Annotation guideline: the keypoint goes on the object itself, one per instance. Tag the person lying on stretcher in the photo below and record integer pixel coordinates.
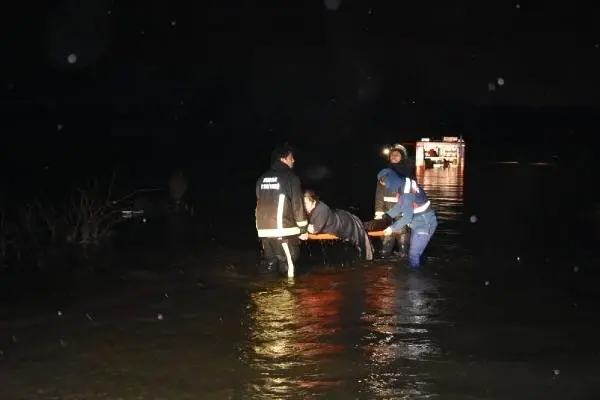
(341, 223)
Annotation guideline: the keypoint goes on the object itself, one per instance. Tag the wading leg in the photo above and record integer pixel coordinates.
(288, 252)
(270, 260)
(419, 239)
(403, 240)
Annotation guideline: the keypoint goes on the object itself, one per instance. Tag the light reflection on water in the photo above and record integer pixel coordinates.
(445, 188)
(326, 334)
(291, 334)
(446, 191)
(397, 337)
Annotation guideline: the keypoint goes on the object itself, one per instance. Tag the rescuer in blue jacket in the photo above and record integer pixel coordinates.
(416, 210)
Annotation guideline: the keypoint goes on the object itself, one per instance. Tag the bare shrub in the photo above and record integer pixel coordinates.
(93, 213)
(40, 229)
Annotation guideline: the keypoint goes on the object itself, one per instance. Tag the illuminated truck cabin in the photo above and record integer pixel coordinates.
(447, 153)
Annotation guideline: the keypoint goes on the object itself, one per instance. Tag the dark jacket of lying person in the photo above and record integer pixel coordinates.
(341, 223)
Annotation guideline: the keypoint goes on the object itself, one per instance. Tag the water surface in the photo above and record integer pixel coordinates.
(495, 313)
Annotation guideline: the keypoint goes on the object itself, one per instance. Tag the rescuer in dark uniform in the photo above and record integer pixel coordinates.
(280, 215)
(385, 200)
(415, 208)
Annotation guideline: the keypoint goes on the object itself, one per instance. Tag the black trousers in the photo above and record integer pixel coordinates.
(279, 254)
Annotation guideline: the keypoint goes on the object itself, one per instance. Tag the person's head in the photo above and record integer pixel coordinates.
(395, 156)
(390, 179)
(284, 154)
(310, 200)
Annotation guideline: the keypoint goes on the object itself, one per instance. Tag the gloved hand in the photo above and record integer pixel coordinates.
(378, 216)
(379, 224)
(303, 229)
(388, 231)
(303, 236)
(311, 228)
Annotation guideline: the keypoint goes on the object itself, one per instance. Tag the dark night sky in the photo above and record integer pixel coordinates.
(290, 67)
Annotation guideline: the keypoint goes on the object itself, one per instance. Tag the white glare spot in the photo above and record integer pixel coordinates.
(173, 23)
(518, 5)
(500, 81)
(72, 58)
(473, 219)
(144, 220)
(557, 372)
(487, 283)
(576, 268)
(159, 317)
(518, 258)
(59, 313)
(59, 127)
(332, 5)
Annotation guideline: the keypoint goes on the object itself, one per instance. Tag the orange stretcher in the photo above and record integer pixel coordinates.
(328, 236)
